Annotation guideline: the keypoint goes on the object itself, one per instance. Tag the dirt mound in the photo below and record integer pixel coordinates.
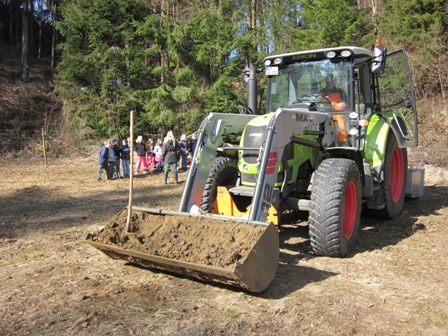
(198, 240)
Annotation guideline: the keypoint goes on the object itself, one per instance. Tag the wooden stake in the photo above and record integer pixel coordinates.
(131, 170)
(43, 147)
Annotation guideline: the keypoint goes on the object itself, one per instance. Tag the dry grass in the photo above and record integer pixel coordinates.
(53, 283)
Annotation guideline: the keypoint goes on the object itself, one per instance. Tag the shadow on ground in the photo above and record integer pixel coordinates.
(39, 208)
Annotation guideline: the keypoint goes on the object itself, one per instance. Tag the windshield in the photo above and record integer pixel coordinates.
(323, 82)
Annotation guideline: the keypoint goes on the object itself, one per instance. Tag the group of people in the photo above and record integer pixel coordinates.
(109, 160)
(159, 156)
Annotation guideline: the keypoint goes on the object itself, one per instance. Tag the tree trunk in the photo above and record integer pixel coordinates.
(17, 30)
(31, 27)
(39, 51)
(163, 12)
(53, 37)
(11, 20)
(25, 42)
(375, 20)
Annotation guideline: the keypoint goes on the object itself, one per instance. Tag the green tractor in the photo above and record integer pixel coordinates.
(331, 142)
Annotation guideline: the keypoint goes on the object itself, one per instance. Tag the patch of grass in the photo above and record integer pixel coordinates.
(230, 314)
(440, 320)
(28, 254)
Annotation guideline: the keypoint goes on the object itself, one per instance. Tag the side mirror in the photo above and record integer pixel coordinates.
(379, 59)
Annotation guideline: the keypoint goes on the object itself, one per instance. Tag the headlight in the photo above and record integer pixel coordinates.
(331, 54)
(267, 62)
(353, 115)
(277, 61)
(346, 53)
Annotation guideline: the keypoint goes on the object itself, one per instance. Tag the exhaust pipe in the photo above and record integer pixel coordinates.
(252, 88)
(250, 79)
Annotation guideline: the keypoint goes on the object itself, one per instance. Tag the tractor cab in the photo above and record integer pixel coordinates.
(323, 77)
(344, 80)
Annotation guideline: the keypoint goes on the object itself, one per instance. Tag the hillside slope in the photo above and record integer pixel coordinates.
(26, 108)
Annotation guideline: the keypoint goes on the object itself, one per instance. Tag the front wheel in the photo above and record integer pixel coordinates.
(335, 208)
(224, 172)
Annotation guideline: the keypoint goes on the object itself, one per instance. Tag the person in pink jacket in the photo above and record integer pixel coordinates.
(140, 148)
(150, 155)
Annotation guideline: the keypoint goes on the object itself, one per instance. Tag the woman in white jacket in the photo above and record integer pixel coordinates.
(159, 155)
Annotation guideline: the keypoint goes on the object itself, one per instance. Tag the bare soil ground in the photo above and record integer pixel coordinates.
(54, 283)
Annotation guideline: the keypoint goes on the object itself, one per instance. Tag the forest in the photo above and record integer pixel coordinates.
(173, 62)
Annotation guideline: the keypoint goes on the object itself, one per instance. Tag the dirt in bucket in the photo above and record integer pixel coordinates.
(198, 240)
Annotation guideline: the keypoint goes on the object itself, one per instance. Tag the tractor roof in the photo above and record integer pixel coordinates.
(317, 54)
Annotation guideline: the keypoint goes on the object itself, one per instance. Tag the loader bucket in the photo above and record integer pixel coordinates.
(207, 247)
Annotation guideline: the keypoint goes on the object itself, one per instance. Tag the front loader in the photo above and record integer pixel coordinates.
(309, 151)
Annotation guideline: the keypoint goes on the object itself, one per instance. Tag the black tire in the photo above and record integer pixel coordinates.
(389, 202)
(224, 172)
(335, 208)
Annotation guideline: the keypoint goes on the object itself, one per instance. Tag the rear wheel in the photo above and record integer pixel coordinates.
(389, 203)
(335, 207)
(224, 172)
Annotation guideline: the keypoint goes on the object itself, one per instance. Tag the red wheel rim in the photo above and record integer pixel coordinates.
(396, 177)
(350, 209)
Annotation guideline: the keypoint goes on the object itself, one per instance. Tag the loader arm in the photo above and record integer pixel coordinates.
(211, 133)
(285, 123)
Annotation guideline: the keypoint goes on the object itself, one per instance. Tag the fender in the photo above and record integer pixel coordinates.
(376, 139)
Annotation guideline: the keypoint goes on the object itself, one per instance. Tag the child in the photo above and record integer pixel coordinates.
(111, 162)
(117, 151)
(151, 156)
(159, 155)
(184, 150)
(125, 157)
(170, 156)
(102, 160)
(141, 153)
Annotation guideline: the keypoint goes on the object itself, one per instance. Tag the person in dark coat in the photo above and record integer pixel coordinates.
(193, 143)
(184, 151)
(102, 160)
(125, 158)
(117, 151)
(111, 162)
(170, 151)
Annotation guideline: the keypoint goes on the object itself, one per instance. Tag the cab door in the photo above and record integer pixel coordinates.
(396, 96)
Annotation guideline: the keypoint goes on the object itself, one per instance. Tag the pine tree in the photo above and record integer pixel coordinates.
(420, 27)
